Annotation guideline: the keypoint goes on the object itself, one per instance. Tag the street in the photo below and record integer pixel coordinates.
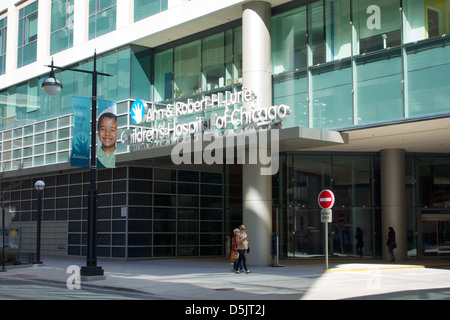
(34, 289)
(212, 279)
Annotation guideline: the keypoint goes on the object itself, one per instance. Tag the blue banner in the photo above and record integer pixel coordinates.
(81, 140)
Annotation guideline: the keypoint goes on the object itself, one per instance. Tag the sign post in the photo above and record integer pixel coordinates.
(326, 202)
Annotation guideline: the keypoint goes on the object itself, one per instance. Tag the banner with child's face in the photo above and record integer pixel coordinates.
(106, 133)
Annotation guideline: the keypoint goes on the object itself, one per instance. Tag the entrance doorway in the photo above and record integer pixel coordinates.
(435, 232)
(351, 233)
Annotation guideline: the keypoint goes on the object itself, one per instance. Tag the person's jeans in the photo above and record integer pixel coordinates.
(242, 259)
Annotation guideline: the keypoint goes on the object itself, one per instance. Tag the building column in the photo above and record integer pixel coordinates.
(11, 39)
(125, 13)
(393, 200)
(257, 76)
(43, 31)
(80, 22)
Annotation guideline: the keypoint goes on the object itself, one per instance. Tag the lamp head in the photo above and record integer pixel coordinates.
(51, 85)
(39, 185)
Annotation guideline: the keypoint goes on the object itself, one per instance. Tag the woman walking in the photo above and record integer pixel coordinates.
(242, 242)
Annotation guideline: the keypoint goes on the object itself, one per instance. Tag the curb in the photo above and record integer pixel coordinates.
(373, 268)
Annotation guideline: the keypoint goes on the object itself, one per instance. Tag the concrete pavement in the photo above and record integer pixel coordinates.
(212, 278)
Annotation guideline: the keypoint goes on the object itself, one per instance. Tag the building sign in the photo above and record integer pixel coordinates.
(200, 131)
(212, 113)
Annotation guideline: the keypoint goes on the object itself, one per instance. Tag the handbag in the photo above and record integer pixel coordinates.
(234, 255)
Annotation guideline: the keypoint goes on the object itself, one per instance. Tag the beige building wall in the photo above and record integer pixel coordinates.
(53, 237)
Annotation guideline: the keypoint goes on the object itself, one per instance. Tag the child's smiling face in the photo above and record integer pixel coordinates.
(107, 133)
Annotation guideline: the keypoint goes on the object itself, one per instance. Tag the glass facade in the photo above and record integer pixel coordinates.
(27, 103)
(323, 66)
(330, 60)
(147, 8)
(28, 27)
(29, 116)
(61, 32)
(343, 64)
(355, 181)
(102, 17)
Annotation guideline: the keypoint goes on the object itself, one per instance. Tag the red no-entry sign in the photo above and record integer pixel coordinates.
(326, 202)
(326, 199)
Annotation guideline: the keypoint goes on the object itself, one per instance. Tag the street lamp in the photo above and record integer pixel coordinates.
(52, 86)
(39, 186)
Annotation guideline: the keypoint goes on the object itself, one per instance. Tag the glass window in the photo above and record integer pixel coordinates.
(434, 174)
(352, 181)
(140, 86)
(425, 19)
(123, 74)
(163, 75)
(289, 41)
(229, 57)
(237, 54)
(310, 174)
(147, 8)
(377, 26)
(379, 87)
(316, 32)
(291, 90)
(213, 58)
(337, 29)
(3, 24)
(427, 82)
(102, 17)
(210, 63)
(331, 102)
(27, 44)
(61, 33)
(187, 69)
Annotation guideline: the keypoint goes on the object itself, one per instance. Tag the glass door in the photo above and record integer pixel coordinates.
(436, 237)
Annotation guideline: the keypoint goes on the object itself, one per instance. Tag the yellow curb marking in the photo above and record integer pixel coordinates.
(374, 268)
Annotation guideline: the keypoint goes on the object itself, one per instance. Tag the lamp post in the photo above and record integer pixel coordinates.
(39, 186)
(52, 87)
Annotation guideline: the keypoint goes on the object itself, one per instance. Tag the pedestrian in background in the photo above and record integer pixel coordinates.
(391, 243)
(359, 241)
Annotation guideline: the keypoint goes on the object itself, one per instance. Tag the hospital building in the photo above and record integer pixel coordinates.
(229, 112)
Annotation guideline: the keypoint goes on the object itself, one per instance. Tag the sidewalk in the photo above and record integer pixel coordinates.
(212, 278)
